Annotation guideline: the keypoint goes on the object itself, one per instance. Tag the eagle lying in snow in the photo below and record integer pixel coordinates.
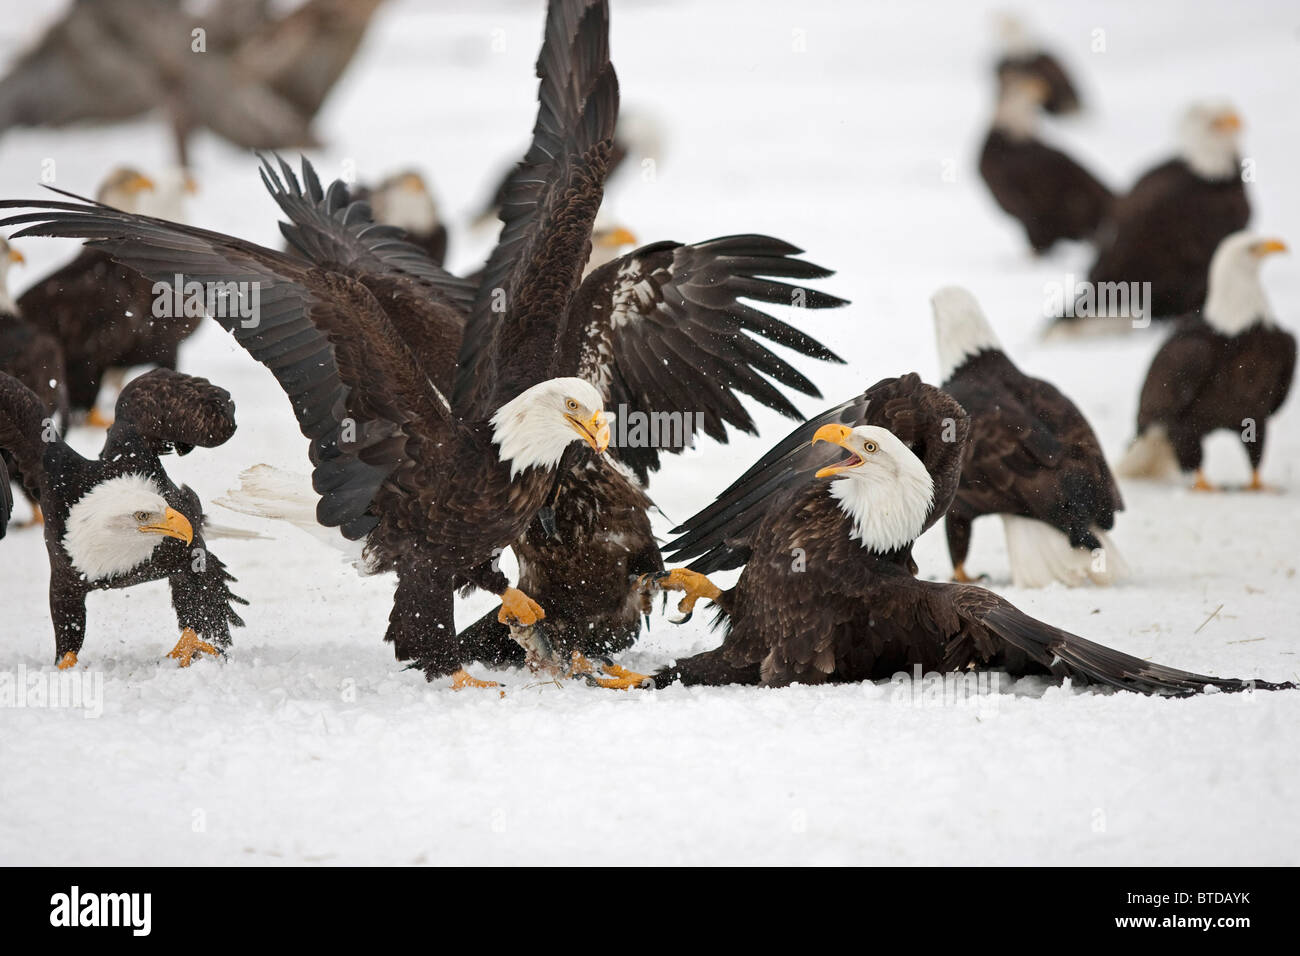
(118, 520)
(1229, 367)
(1034, 460)
(829, 591)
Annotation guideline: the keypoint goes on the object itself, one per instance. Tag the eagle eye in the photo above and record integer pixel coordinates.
(869, 446)
(142, 516)
(571, 404)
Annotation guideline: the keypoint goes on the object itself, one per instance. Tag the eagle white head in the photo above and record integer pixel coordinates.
(8, 257)
(115, 526)
(1236, 298)
(404, 200)
(535, 427)
(124, 189)
(960, 329)
(1208, 139)
(882, 486)
(1021, 96)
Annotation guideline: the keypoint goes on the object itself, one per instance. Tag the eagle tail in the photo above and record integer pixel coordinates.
(1040, 554)
(1151, 455)
(269, 492)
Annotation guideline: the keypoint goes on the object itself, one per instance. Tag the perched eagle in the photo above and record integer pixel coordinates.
(432, 490)
(1021, 54)
(118, 520)
(1033, 459)
(829, 592)
(1047, 192)
(1166, 229)
(102, 312)
(32, 357)
(1228, 367)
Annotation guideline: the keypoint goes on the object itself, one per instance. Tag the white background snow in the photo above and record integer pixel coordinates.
(830, 125)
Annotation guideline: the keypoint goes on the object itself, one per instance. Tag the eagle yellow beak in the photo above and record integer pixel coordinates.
(190, 185)
(836, 435)
(614, 238)
(1227, 121)
(1269, 246)
(173, 525)
(414, 182)
(16, 256)
(138, 184)
(594, 431)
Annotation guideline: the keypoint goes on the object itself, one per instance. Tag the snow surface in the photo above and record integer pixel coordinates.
(850, 129)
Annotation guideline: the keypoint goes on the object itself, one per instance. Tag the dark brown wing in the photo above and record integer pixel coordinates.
(23, 420)
(925, 418)
(663, 330)
(172, 411)
(356, 390)
(550, 204)
(1180, 371)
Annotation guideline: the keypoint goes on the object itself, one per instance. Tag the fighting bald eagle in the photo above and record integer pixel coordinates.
(118, 520)
(32, 357)
(1048, 193)
(1033, 459)
(102, 312)
(1228, 367)
(1166, 229)
(829, 592)
(434, 491)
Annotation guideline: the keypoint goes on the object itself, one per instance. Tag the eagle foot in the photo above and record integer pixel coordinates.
(960, 576)
(518, 609)
(693, 584)
(1257, 485)
(620, 678)
(36, 520)
(189, 646)
(462, 679)
(67, 661)
(1201, 484)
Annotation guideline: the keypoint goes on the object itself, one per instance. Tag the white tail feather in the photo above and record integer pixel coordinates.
(214, 532)
(1149, 456)
(269, 492)
(1040, 554)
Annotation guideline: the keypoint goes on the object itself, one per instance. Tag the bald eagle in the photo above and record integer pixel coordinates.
(1033, 459)
(102, 312)
(1023, 54)
(1050, 194)
(1228, 367)
(829, 592)
(118, 520)
(1165, 230)
(431, 487)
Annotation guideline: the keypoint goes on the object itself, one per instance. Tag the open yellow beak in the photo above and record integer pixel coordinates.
(173, 525)
(616, 237)
(1269, 246)
(1227, 121)
(836, 435)
(594, 431)
(16, 256)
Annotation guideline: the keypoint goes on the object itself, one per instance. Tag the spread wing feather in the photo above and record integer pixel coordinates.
(172, 411)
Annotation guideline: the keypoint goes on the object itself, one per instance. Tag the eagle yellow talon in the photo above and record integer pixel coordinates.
(67, 661)
(693, 584)
(960, 576)
(189, 646)
(1257, 485)
(519, 609)
(462, 679)
(620, 678)
(1201, 484)
(36, 520)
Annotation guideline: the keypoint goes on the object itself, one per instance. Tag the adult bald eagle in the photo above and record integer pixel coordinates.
(32, 357)
(828, 593)
(1166, 229)
(1051, 195)
(1229, 367)
(1033, 459)
(1021, 54)
(102, 312)
(434, 491)
(118, 520)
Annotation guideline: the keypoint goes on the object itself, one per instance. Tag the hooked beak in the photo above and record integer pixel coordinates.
(16, 256)
(140, 184)
(414, 182)
(616, 237)
(1226, 122)
(173, 525)
(836, 435)
(594, 431)
(1269, 246)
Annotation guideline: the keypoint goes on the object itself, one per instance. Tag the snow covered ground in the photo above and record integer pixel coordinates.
(851, 130)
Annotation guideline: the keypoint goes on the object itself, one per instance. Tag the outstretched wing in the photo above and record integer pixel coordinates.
(550, 204)
(981, 627)
(22, 422)
(172, 411)
(357, 392)
(926, 419)
(663, 330)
